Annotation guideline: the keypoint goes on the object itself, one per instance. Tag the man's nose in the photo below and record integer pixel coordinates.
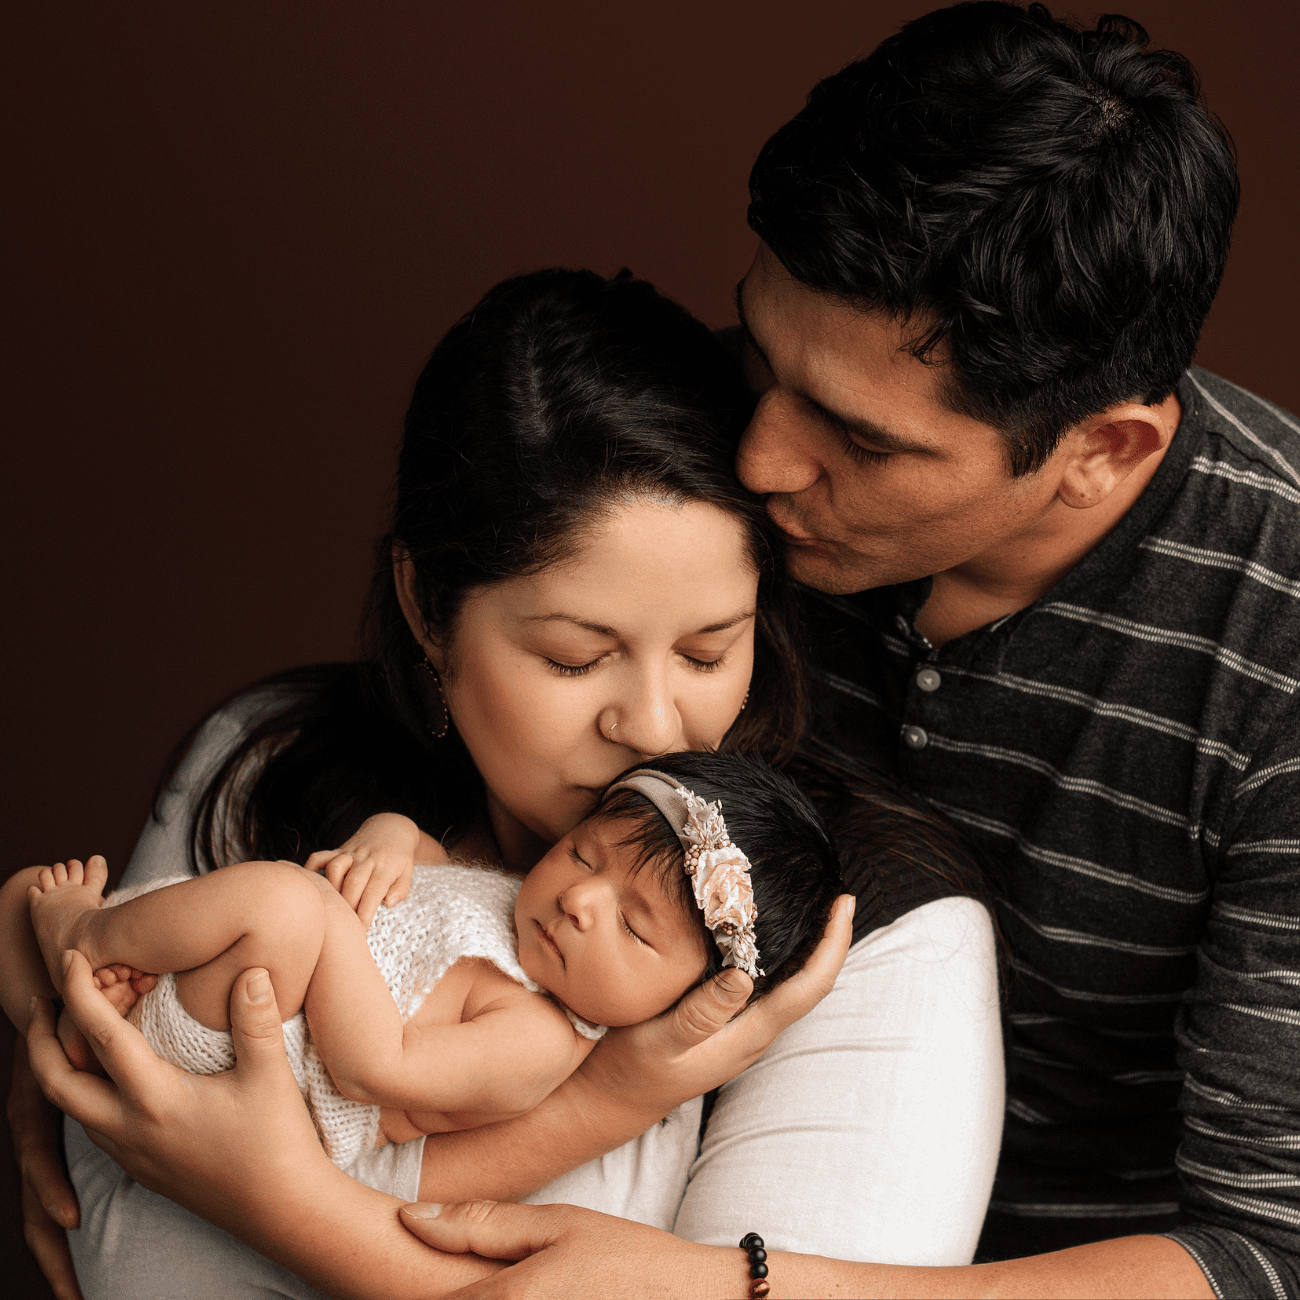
(776, 452)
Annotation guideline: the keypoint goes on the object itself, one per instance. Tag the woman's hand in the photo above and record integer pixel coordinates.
(572, 1252)
(207, 1142)
(49, 1203)
(697, 1046)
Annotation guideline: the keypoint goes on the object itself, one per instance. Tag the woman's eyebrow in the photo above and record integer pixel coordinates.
(598, 628)
(601, 630)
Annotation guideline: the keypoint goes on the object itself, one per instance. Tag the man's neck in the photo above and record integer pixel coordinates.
(1026, 567)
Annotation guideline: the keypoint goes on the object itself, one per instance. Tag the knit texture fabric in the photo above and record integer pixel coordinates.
(451, 912)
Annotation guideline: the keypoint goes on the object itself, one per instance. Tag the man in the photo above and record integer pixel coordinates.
(1061, 577)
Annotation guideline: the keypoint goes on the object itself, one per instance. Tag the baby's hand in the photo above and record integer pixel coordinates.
(374, 866)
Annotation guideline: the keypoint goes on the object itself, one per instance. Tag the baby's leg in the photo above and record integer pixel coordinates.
(207, 930)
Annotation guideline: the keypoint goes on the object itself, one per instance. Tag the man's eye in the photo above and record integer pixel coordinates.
(863, 455)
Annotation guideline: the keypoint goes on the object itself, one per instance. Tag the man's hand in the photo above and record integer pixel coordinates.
(374, 866)
(572, 1252)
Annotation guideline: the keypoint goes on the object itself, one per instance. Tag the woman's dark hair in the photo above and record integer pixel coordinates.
(1053, 204)
(558, 397)
(794, 869)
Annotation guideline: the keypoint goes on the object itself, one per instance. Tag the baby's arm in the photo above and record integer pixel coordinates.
(375, 865)
(481, 1044)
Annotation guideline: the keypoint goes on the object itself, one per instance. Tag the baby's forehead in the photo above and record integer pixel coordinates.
(654, 874)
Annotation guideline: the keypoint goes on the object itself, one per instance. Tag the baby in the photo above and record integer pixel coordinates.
(472, 995)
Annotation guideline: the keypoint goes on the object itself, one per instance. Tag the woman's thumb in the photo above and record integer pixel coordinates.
(255, 1019)
(705, 1010)
(493, 1229)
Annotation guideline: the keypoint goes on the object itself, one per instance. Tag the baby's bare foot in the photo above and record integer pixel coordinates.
(60, 904)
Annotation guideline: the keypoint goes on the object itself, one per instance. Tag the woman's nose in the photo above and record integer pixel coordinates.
(775, 453)
(648, 720)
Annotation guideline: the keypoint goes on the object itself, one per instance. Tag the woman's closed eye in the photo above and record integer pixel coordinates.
(704, 665)
(572, 670)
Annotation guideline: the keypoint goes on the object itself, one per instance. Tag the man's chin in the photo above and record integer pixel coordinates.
(826, 571)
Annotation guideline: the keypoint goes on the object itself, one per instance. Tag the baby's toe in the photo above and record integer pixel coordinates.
(97, 872)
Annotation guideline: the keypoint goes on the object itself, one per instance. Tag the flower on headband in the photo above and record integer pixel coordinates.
(719, 873)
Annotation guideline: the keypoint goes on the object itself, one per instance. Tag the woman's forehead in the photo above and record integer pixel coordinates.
(649, 566)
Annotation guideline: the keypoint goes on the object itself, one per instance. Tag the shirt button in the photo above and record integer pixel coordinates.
(928, 679)
(915, 737)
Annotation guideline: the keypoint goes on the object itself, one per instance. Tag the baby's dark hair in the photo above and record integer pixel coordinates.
(793, 865)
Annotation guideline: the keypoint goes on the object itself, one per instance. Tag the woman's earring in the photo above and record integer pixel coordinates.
(441, 731)
(744, 702)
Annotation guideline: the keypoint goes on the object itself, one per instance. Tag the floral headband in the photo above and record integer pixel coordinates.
(719, 871)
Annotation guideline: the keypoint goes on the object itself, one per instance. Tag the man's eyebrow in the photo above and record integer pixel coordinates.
(601, 630)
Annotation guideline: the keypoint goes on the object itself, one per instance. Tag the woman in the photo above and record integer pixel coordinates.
(574, 581)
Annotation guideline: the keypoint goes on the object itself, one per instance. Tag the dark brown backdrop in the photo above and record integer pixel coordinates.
(240, 230)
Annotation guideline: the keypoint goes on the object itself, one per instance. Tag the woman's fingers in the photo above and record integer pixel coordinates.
(88, 1099)
(255, 1026)
(799, 994)
(48, 1242)
(493, 1229)
(49, 1205)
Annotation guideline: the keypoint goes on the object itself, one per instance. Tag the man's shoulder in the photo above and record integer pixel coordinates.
(1257, 434)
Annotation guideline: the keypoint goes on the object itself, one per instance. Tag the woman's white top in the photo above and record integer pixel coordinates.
(869, 1130)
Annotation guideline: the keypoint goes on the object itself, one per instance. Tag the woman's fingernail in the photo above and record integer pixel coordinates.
(67, 959)
(730, 982)
(422, 1210)
(853, 906)
(259, 987)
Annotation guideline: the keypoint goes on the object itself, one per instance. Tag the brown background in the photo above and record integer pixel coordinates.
(241, 228)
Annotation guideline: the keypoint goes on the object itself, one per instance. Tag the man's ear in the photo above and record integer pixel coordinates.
(1106, 448)
(404, 580)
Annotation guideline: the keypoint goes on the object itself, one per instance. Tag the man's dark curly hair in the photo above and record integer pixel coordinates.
(1048, 208)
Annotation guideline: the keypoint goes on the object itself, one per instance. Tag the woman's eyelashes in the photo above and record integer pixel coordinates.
(572, 670)
(581, 670)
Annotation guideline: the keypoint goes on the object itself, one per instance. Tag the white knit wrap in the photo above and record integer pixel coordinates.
(451, 912)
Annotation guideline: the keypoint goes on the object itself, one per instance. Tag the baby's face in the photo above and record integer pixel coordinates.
(614, 947)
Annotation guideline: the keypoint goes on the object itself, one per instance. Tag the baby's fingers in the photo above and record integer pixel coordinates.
(337, 868)
(353, 884)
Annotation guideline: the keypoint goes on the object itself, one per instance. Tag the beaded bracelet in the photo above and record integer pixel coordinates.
(759, 1286)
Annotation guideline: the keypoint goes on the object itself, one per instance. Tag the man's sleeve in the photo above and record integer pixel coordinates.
(1239, 1040)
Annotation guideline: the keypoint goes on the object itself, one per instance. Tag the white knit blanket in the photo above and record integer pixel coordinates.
(451, 912)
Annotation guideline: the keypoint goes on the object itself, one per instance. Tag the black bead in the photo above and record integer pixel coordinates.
(757, 1254)
(758, 1270)
(750, 1239)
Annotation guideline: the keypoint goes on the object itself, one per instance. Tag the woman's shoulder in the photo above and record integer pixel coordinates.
(217, 735)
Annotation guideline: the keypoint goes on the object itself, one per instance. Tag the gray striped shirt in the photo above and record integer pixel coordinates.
(1124, 756)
